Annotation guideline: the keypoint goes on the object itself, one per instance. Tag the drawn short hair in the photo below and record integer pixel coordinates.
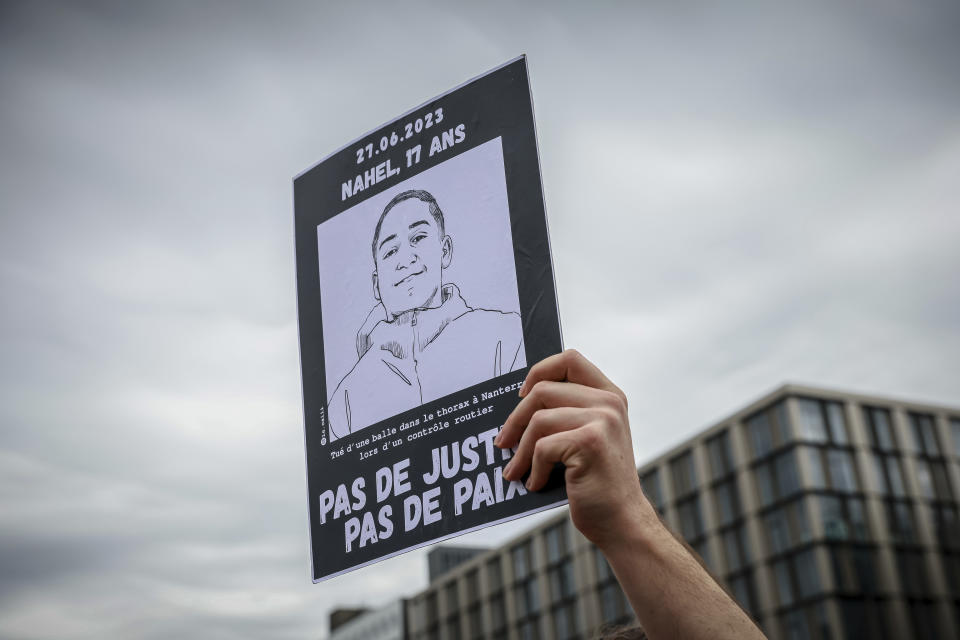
(419, 194)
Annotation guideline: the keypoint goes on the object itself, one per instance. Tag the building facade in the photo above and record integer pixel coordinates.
(827, 515)
(385, 623)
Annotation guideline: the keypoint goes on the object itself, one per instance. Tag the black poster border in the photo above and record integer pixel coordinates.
(495, 104)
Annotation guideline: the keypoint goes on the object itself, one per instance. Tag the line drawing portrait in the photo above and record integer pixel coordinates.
(424, 333)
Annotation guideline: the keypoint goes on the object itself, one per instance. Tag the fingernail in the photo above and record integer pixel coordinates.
(496, 441)
(529, 484)
(506, 470)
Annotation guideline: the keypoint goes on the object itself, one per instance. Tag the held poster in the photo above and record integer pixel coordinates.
(425, 290)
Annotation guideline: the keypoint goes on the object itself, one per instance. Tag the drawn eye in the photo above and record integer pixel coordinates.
(417, 238)
(390, 252)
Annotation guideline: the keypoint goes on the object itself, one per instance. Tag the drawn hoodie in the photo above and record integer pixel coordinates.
(423, 355)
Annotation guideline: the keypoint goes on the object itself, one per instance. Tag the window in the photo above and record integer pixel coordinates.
(946, 524)
(833, 468)
(777, 478)
(822, 422)
(888, 475)
(526, 597)
(742, 589)
(880, 429)
(808, 579)
(911, 564)
(691, 524)
(864, 618)
(900, 523)
(768, 429)
(812, 425)
(651, 488)
(494, 575)
(528, 630)
(498, 613)
(736, 548)
(797, 577)
(844, 518)
(684, 475)
(721, 456)
(565, 623)
(450, 591)
(842, 476)
(854, 569)
(556, 537)
(924, 434)
(473, 585)
(562, 582)
(727, 501)
(522, 557)
(933, 480)
(781, 570)
(955, 432)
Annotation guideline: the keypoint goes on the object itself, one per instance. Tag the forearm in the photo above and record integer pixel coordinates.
(672, 595)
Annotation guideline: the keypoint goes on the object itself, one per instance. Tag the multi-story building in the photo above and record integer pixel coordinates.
(384, 623)
(826, 514)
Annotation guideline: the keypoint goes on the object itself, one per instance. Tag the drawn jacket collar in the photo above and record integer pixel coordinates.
(425, 324)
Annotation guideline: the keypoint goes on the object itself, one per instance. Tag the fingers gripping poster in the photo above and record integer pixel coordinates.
(425, 291)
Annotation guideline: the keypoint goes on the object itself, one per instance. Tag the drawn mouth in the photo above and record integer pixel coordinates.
(409, 277)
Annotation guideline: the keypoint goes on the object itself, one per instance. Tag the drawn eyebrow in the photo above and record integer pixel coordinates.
(418, 223)
(386, 240)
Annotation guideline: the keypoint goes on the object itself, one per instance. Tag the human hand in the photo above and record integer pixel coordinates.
(572, 413)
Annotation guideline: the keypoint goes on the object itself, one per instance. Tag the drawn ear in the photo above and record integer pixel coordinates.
(376, 286)
(447, 248)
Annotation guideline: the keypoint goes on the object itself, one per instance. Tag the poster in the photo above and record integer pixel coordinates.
(425, 290)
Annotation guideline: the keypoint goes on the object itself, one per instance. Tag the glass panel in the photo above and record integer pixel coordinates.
(778, 530)
(879, 475)
(691, 525)
(787, 477)
(721, 458)
(784, 586)
(740, 586)
(799, 524)
(895, 476)
(556, 537)
(925, 434)
(727, 503)
(900, 521)
(795, 626)
(684, 476)
(731, 548)
(811, 421)
(494, 574)
(838, 424)
(858, 519)
(941, 483)
(817, 478)
(761, 436)
(841, 470)
(955, 431)
(882, 431)
(805, 568)
(764, 484)
(831, 512)
(521, 566)
(924, 479)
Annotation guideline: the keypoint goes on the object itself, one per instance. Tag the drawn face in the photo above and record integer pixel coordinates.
(410, 258)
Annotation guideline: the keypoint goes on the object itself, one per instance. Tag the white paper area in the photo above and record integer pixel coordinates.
(471, 191)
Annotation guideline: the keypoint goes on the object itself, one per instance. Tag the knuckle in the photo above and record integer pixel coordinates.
(591, 438)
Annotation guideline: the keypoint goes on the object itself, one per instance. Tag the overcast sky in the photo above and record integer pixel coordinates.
(738, 196)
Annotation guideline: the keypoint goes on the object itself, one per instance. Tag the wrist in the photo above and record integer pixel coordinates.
(638, 529)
